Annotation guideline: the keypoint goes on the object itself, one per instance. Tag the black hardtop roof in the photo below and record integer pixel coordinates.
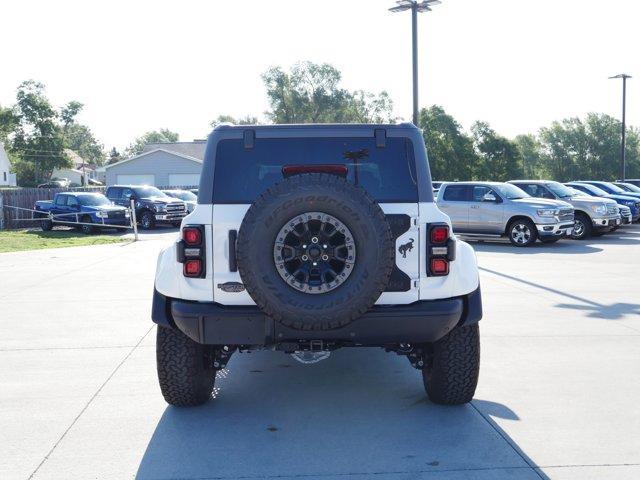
(319, 126)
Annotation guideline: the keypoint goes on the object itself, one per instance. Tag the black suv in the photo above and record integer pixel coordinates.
(152, 206)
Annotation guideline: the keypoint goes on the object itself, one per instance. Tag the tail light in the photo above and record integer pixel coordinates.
(441, 250)
(191, 251)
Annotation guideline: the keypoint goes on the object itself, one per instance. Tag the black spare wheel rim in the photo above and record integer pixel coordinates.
(315, 252)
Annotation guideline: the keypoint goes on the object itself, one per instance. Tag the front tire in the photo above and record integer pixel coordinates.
(86, 229)
(582, 227)
(451, 370)
(185, 369)
(148, 221)
(522, 233)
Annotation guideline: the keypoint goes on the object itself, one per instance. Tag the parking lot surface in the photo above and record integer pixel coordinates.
(558, 395)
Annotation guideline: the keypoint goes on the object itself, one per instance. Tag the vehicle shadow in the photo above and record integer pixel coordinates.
(360, 414)
(563, 247)
(614, 311)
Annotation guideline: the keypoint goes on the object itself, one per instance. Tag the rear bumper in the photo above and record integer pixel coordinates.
(419, 322)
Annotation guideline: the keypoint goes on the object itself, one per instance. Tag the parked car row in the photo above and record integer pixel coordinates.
(525, 211)
(86, 209)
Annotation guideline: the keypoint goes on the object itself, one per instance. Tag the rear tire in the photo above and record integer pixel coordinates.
(46, 225)
(522, 232)
(185, 369)
(582, 227)
(451, 372)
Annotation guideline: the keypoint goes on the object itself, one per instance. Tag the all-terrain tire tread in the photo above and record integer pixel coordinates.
(451, 375)
(184, 378)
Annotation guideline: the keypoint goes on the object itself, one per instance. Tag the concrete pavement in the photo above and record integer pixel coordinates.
(558, 393)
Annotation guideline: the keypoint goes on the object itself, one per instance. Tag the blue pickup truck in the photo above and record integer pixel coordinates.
(81, 209)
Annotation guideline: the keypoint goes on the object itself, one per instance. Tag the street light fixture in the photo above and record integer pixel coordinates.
(415, 7)
(623, 147)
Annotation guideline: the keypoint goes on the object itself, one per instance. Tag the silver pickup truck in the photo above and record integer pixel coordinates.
(493, 209)
(593, 216)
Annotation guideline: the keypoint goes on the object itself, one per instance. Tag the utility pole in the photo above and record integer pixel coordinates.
(415, 7)
(623, 143)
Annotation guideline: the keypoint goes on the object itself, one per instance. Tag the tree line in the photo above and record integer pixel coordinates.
(37, 136)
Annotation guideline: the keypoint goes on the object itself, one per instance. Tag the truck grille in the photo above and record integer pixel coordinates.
(176, 208)
(116, 214)
(566, 215)
(624, 210)
(612, 209)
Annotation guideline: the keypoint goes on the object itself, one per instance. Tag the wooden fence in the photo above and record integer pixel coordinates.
(26, 198)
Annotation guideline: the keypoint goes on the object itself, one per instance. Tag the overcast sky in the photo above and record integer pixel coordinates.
(142, 65)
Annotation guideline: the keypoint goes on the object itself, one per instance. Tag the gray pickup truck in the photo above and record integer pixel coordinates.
(494, 209)
(593, 216)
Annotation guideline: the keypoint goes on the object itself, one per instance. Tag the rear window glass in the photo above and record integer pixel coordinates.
(456, 193)
(388, 174)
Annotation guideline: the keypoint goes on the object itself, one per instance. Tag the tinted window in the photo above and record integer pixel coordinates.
(535, 190)
(61, 199)
(72, 201)
(95, 200)
(145, 192)
(506, 190)
(114, 193)
(388, 174)
(126, 193)
(456, 193)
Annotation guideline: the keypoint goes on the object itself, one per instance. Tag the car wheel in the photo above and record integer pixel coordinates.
(86, 229)
(148, 221)
(46, 225)
(582, 227)
(315, 252)
(452, 367)
(522, 233)
(185, 368)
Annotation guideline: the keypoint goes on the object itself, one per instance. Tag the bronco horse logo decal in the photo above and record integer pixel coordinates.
(407, 247)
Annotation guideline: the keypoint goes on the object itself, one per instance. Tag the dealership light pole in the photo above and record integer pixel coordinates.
(623, 147)
(415, 7)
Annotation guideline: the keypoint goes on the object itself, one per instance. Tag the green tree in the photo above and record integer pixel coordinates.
(310, 93)
(80, 139)
(499, 158)
(450, 150)
(38, 141)
(8, 123)
(530, 150)
(114, 156)
(154, 136)
(247, 120)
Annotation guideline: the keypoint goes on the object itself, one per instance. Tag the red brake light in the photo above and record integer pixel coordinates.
(191, 236)
(439, 234)
(289, 170)
(193, 268)
(439, 266)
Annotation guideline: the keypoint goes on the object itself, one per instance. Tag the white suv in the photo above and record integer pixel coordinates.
(311, 238)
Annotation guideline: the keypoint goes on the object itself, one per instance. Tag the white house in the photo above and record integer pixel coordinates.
(77, 172)
(174, 164)
(7, 178)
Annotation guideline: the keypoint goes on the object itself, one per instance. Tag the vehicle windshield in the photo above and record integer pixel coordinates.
(561, 190)
(183, 195)
(593, 190)
(95, 200)
(144, 192)
(614, 188)
(630, 187)
(510, 192)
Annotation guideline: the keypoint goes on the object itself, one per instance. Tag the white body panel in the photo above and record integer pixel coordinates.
(462, 279)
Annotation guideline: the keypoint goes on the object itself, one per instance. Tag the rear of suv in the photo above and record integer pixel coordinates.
(494, 209)
(311, 238)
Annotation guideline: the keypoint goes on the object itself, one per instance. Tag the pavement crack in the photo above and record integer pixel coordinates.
(84, 409)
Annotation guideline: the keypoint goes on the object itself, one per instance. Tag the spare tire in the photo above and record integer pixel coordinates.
(315, 252)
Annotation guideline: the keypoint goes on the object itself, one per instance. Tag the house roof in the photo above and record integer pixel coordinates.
(193, 149)
(144, 154)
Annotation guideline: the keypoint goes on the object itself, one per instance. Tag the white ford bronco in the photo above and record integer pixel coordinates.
(309, 238)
